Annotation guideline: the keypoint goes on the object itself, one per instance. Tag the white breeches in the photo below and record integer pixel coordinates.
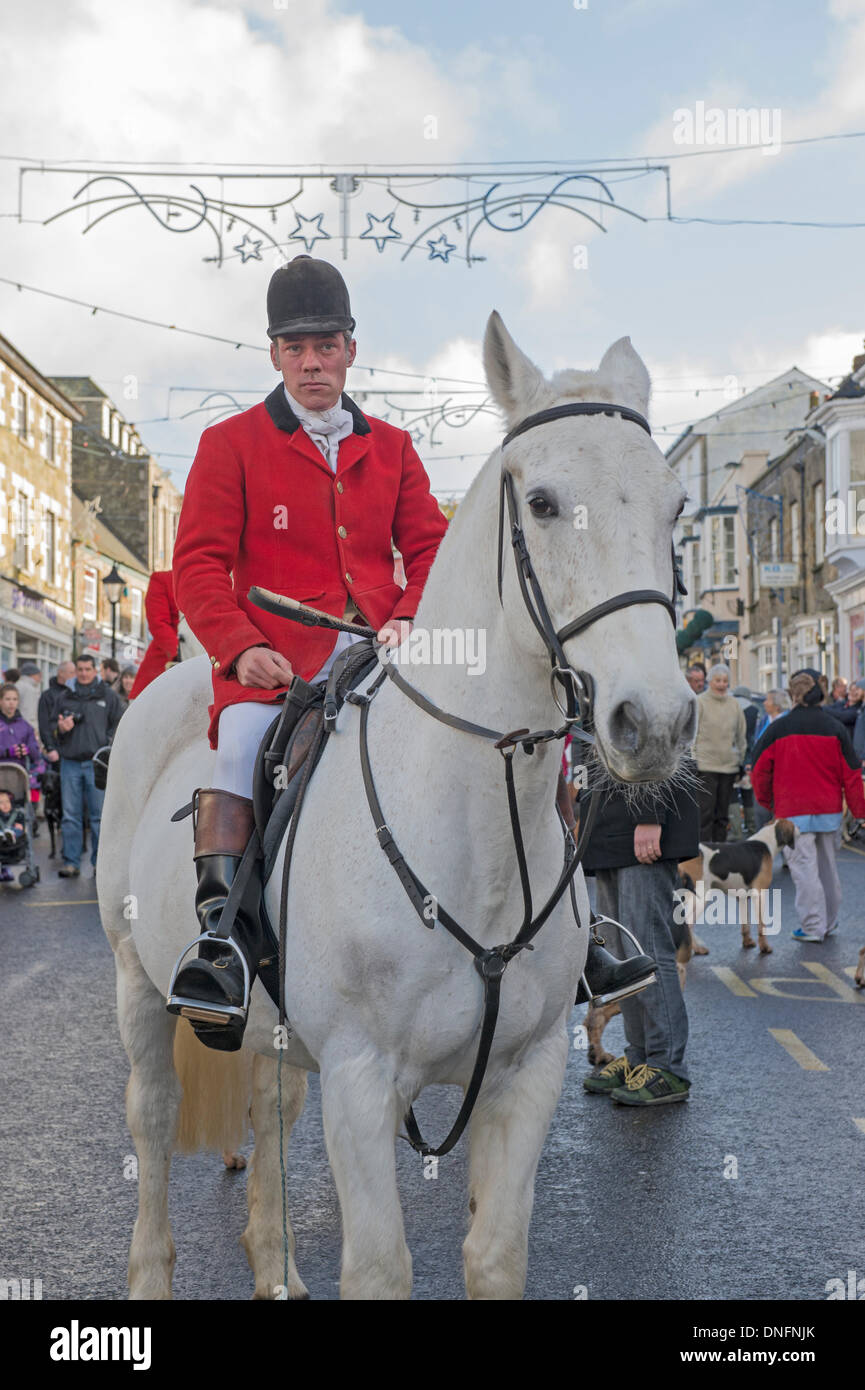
(243, 726)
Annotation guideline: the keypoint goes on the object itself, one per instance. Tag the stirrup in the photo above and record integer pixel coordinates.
(614, 995)
(199, 1011)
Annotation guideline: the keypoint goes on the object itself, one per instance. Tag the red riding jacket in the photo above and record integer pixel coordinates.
(262, 506)
(162, 619)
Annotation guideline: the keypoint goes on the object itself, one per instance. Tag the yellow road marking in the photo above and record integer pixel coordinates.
(843, 991)
(732, 981)
(797, 1050)
(860, 1124)
(63, 902)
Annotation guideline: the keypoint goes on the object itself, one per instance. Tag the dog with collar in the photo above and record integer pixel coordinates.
(741, 865)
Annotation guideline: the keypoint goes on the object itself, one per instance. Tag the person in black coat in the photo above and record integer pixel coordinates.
(634, 851)
(86, 720)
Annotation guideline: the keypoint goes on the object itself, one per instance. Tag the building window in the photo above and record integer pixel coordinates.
(135, 627)
(91, 591)
(50, 548)
(723, 551)
(106, 419)
(795, 533)
(773, 539)
(21, 413)
(833, 464)
(115, 430)
(857, 466)
(819, 523)
(22, 531)
(50, 438)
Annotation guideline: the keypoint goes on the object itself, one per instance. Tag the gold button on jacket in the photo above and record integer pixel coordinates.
(341, 531)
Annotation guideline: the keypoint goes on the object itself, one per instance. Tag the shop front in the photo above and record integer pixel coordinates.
(33, 628)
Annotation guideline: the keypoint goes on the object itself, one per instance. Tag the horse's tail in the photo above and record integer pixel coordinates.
(217, 1090)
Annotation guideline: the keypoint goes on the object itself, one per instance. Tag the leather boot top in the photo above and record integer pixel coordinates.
(223, 823)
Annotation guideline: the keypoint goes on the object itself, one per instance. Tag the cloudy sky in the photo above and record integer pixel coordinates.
(713, 306)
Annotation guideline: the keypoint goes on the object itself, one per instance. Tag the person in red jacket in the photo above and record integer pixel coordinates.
(303, 495)
(804, 765)
(163, 616)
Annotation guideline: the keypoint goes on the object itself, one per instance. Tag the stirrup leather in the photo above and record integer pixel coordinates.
(208, 1012)
(614, 995)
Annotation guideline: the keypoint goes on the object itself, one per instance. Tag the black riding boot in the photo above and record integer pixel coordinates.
(210, 991)
(610, 979)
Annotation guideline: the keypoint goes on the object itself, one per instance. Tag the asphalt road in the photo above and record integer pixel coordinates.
(752, 1189)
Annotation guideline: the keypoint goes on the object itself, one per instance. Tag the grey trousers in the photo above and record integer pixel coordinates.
(656, 1022)
(815, 878)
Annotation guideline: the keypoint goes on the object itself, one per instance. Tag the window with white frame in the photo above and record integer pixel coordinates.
(115, 429)
(91, 590)
(833, 464)
(22, 531)
(21, 413)
(135, 627)
(106, 419)
(857, 468)
(723, 559)
(774, 545)
(795, 533)
(819, 523)
(50, 438)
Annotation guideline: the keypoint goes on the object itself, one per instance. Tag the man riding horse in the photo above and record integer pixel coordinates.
(303, 495)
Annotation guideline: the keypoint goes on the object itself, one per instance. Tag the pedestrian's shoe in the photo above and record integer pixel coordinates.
(800, 935)
(613, 1075)
(606, 979)
(69, 871)
(213, 991)
(651, 1086)
(6, 876)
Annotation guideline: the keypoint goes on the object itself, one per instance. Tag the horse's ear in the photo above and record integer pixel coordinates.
(625, 368)
(517, 385)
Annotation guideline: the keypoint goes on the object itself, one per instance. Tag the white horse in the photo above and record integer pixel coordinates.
(378, 1005)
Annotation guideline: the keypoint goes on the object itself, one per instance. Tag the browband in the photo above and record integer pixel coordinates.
(560, 412)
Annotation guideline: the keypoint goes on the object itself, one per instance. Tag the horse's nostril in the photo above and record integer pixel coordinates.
(685, 726)
(628, 726)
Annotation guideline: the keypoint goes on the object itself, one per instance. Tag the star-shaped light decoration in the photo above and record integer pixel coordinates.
(249, 250)
(380, 237)
(308, 238)
(440, 249)
(92, 508)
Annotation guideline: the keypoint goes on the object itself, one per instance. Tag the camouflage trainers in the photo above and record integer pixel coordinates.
(613, 1075)
(651, 1086)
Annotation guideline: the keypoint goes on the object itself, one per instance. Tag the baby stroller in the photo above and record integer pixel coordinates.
(15, 779)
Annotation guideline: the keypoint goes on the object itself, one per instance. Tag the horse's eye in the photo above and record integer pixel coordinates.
(541, 505)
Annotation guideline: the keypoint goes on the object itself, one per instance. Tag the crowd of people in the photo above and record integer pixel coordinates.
(59, 730)
(793, 755)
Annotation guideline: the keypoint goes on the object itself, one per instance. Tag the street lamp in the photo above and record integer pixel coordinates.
(113, 585)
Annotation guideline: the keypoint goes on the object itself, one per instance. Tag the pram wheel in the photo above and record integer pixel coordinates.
(28, 878)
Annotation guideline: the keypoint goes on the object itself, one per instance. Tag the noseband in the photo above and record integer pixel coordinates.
(577, 686)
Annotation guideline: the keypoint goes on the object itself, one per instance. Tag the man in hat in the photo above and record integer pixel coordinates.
(302, 494)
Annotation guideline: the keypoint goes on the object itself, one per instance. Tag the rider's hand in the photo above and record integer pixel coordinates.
(647, 843)
(394, 633)
(66, 723)
(263, 668)
(52, 755)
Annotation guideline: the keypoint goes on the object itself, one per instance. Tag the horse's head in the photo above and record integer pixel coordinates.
(597, 503)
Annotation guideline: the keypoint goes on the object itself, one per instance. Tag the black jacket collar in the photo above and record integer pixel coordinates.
(284, 417)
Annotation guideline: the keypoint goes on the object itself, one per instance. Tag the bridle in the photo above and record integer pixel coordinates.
(577, 686)
(578, 710)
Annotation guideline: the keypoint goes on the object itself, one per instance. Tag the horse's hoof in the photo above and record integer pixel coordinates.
(233, 1161)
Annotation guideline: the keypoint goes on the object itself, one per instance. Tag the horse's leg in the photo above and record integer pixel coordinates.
(508, 1130)
(362, 1112)
(152, 1105)
(262, 1239)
